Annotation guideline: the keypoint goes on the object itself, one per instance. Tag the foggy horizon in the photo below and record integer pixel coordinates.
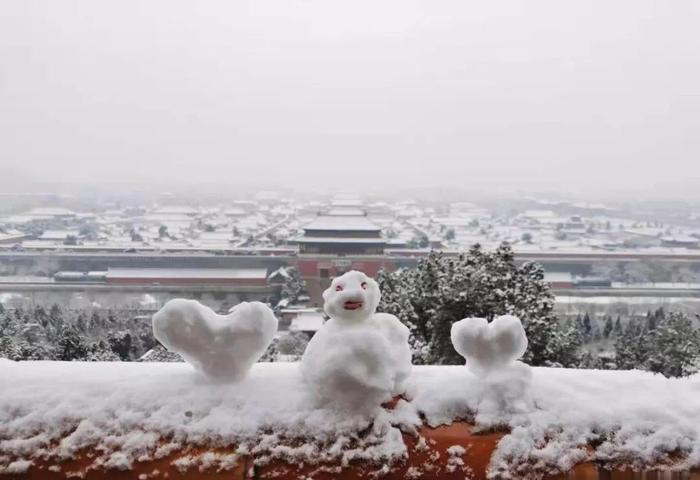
(545, 96)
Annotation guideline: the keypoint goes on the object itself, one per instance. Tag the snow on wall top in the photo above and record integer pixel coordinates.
(127, 409)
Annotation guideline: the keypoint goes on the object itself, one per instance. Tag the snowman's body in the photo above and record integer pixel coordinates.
(359, 357)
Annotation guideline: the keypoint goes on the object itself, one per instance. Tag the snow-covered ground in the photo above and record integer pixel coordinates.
(132, 411)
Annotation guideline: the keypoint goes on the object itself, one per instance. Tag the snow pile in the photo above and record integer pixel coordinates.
(134, 411)
(613, 417)
(55, 410)
(220, 346)
(359, 358)
(491, 351)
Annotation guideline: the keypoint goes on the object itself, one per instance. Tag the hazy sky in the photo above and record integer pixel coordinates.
(586, 93)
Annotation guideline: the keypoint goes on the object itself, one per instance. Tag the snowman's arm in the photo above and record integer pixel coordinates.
(392, 327)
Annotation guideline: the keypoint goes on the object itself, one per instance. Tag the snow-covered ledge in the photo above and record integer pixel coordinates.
(127, 415)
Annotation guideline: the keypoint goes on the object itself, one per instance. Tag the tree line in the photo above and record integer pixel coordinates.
(55, 333)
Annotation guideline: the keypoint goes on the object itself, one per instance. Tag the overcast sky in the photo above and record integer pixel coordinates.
(587, 93)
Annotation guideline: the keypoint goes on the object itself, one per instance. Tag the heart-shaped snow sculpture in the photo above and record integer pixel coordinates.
(489, 346)
(220, 346)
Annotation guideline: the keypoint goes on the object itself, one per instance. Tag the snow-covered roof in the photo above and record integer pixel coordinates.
(216, 236)
(50, 212)
(346, 211)
(307, 322)
(58, 234)
(235, 212)
(232, 273)
(176, 210)
(123, 412)
(343, 222)
(281, 272)
(558, 277)
(680, 239)
(315, 239)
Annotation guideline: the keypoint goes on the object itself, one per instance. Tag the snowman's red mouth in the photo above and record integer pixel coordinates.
(352, 305)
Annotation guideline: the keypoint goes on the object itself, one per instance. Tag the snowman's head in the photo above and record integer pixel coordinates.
(352, 297)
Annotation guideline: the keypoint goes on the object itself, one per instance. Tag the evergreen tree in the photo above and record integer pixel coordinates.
(81, 322)
(608, 329)
(673, 347)
(41, 316)
(9, 348)
(120, 344)
(293, 344)
(56, 316)
(293, 286)
(617, 329)
(442, 290)
(101, 352)
(34, 351)
(70, 345)
(587, 328)
(270, 354)
(651, 321)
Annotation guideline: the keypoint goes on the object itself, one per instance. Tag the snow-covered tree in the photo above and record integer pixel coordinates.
(608, 329)
(293, 344)
(101, 352)
(71, 345)
(293, 285)
(270, 354)
(442, 290)
(673, 346)
(666, 344)
(120, 343)
(9, 348)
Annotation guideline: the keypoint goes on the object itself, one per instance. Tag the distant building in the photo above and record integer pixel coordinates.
(235, 212)
(559, 280)
(346, 212)
(12, 237)
(51, 212)
(339, 235)
(680, 241)
(58, 235)
(302, 319)
(333, 245)
(253, 277)
(177, 210)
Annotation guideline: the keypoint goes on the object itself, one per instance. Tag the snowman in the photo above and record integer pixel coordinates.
(359, 358)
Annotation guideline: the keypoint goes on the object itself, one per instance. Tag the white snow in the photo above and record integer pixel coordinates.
(489, 347)
(223, 347)
(16, 468)
(54, 409)
(491, 351)
(455, 460)
(359, 358)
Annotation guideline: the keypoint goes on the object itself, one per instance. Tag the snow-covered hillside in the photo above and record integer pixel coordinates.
(129, 412)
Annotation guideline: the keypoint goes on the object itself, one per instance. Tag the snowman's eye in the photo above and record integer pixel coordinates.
(338, 288)
(364, 285)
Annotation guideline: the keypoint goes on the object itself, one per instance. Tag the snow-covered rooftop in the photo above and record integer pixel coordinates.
(307, 322)
(124, 412)
(243, 273)
(344, 222)
(318, 239)
(346, 211)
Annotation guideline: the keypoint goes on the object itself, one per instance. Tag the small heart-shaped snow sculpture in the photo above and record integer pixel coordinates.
(220, 346)
(489, 346)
